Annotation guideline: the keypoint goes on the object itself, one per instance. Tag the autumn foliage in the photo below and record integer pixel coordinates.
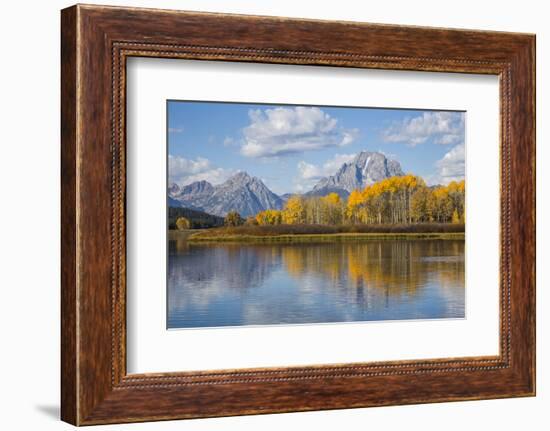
(233, 218)
(396, 200)
(183, 223)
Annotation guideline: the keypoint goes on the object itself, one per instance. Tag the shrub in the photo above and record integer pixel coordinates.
(182, 223)
(233, 218)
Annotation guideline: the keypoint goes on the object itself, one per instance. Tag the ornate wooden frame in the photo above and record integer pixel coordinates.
(95, 43)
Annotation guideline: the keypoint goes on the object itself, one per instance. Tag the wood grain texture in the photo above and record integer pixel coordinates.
(69, 367)
(96, 41)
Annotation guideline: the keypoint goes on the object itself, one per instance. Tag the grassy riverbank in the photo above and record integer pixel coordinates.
(321, 233)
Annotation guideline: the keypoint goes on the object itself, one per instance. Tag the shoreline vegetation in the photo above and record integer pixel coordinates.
(321, 233)
(401, 207)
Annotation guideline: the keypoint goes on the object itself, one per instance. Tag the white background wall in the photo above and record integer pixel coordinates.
(29, 217)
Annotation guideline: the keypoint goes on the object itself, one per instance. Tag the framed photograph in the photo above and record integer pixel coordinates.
(265, 215)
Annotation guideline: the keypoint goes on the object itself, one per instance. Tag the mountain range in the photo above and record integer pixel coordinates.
(365, 169)
(242, 193)
(248, 195)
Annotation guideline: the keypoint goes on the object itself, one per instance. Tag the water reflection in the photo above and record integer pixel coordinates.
(259, 284)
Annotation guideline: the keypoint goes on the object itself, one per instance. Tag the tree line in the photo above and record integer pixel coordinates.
(396, 200)
(407, 199)
(186, 218)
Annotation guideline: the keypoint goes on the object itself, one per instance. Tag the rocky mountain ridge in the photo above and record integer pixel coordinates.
(242, 193)
(365, 169)
(248, 195)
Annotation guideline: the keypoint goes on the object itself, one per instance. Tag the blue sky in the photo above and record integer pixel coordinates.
(291, 147)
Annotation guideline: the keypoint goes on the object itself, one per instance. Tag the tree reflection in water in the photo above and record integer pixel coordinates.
(255, 284)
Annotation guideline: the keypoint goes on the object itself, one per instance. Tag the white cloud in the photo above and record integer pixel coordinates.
(332, 165)
(307, 171)
(227, 142)
(309, 174)
(213, 176)
(175, 129)
(451, 167)
(279, 131)
(445, 128)
(185, 171)
(450, 139)
(180, 166)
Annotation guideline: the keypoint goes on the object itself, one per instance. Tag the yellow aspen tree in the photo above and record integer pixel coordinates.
(294, 211)
(355, 200)
(331, 209)
(456, 217)
(183, 223)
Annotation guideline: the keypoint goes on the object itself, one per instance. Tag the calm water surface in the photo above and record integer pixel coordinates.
(265, 284)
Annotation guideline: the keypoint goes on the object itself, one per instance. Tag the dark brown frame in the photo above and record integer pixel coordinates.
(95, 43)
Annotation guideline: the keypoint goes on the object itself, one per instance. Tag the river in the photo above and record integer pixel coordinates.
(229, 284)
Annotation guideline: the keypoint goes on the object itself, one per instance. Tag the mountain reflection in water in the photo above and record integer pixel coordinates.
(226, 284)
